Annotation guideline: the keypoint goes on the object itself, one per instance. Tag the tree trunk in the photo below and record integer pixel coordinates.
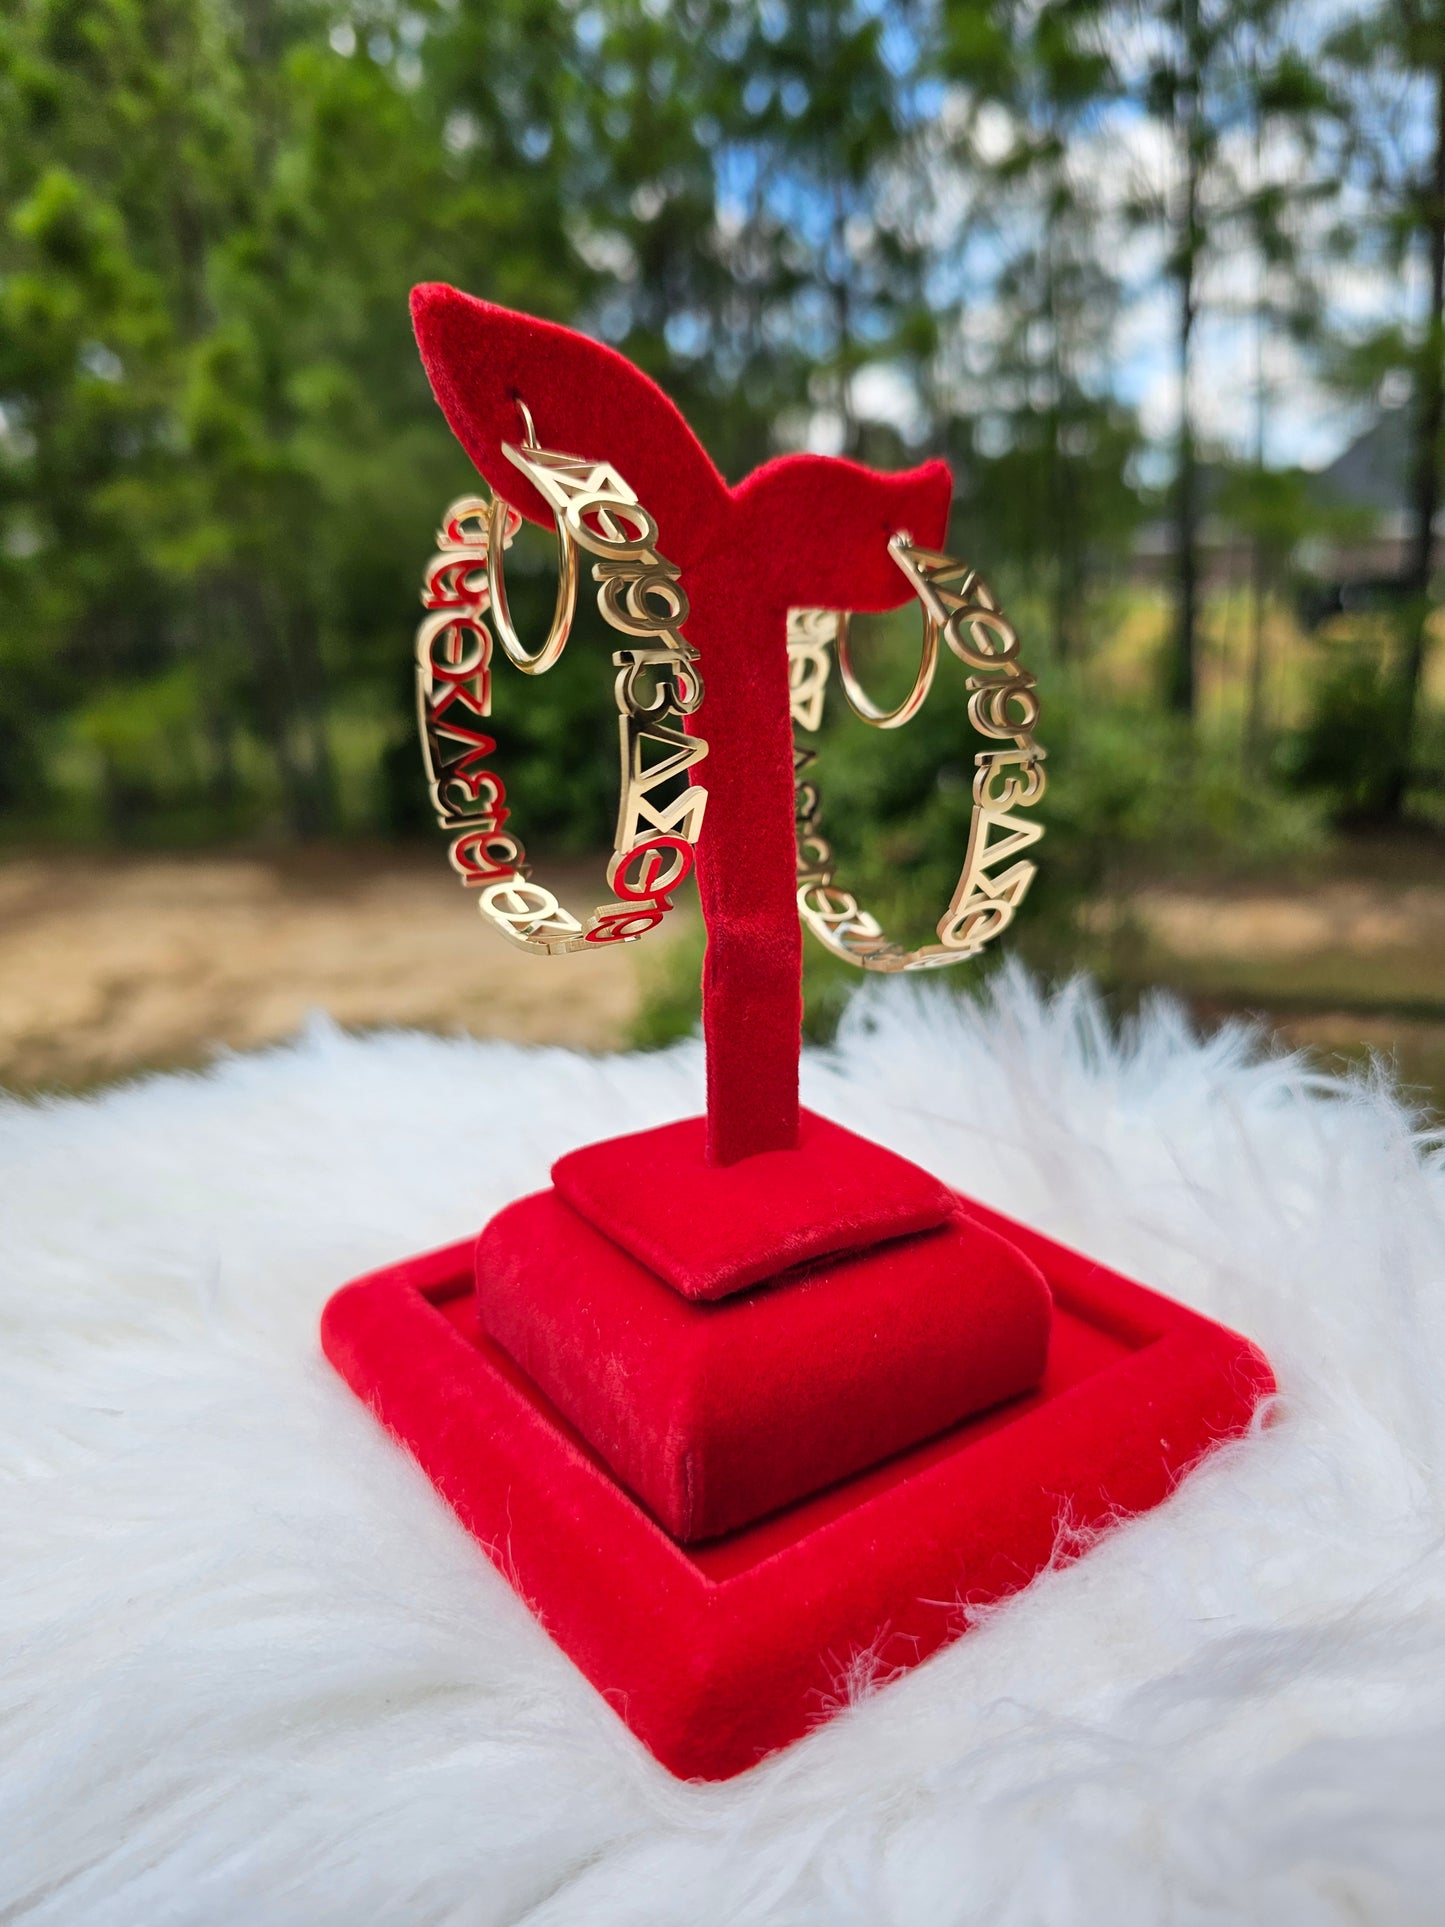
(1183, 669)
(1254, 715)
(1254, 720)
(309, 678)
(204, 639)
(1063, 523)
(1425, 481)
(1182, 689)
(274, 683)
(1065, 571)
(843, 324)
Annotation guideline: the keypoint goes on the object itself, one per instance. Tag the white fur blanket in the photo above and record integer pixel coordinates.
(252, 1671)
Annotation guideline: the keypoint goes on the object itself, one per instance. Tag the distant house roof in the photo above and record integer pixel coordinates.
(1371, 479)
(1374, 471)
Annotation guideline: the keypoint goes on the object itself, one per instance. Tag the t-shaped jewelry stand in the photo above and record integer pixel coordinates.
(742, 1397)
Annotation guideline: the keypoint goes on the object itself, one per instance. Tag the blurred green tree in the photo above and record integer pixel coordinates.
(879, 226)
(1388, 67)
(218, 442)
(1047, 453)
(1223, 82)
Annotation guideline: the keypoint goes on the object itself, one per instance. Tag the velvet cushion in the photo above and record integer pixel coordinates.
(717, 1414)
(708, 1230)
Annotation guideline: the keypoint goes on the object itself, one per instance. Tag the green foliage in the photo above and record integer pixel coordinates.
(220, 463)
(1137, 796)
(220, 460)
(1345, 751)
(1133, 794)
(1277, 508)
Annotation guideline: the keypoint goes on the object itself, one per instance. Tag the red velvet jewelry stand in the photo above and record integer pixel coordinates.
(742, 1399)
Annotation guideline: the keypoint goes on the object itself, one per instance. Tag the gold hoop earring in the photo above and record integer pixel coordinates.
(1003, 704)
(538, 662)
(657, 687)
(857, 697)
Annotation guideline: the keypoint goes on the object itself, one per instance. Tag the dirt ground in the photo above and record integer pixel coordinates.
(1350, 966)
(1349, 915)
(110, 966)
(113, 966)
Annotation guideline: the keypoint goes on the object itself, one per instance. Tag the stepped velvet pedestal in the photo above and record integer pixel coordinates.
(896, 1316)
(746, 1401)
(716, 1654)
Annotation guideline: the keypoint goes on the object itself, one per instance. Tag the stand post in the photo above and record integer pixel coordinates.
(803, 531)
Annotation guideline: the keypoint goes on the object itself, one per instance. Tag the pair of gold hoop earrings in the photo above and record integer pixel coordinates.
(640, 595)
(657, 686)
(961, 613)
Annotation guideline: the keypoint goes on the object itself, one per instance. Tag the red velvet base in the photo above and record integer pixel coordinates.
(715, 1656)
(711, 1229)
(717, 1414)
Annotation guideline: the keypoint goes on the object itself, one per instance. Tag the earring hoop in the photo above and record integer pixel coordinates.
(857, 697)
(538, 662)
(654, 844)
(1003, 705)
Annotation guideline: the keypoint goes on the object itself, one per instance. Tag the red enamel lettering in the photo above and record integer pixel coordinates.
(485, 856)
(624, 925)
(655, 877)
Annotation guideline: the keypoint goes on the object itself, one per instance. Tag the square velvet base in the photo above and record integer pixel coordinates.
(718, 1654)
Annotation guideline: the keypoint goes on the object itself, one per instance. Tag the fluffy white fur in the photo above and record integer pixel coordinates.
(251, 1671)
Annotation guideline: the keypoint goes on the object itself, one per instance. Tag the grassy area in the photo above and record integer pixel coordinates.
(1336, 941)
(153, 961)
(1343, 956)
(1125, 656)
